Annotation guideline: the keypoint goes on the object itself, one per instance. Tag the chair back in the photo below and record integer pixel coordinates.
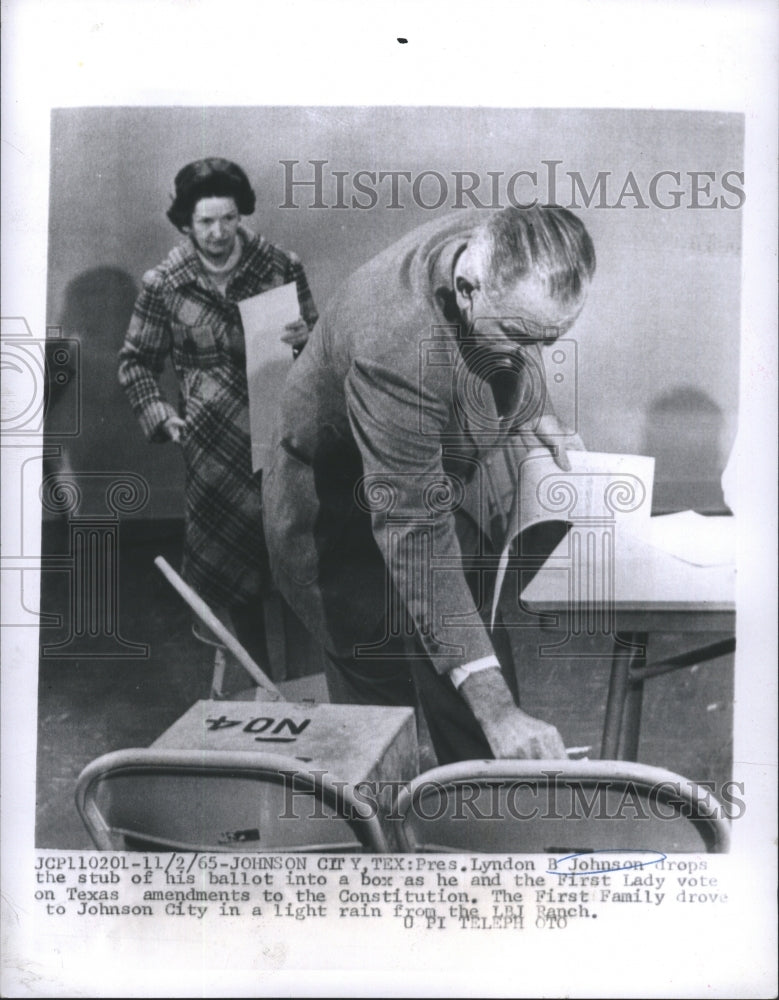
(220, 800)
(568, 807)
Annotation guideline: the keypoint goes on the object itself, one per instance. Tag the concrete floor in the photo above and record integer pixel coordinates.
(88, 706)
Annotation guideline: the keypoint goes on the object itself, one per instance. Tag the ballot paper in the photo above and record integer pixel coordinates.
(603, 491)
(268, 359)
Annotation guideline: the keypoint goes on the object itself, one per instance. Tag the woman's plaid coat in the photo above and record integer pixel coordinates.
(181, 315)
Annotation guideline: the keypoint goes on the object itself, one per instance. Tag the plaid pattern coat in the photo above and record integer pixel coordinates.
(180, 314)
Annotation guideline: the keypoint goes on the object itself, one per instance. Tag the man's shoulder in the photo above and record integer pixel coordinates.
(424, 240)
(399, 275)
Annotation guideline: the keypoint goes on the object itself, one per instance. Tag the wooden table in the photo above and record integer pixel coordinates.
(623, 586)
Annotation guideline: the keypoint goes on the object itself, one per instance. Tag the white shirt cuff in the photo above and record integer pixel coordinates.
(460, 674)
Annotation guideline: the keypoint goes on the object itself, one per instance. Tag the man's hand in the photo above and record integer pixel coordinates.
(510, 732)
(296, 334)
(551, 434)
(173, 428)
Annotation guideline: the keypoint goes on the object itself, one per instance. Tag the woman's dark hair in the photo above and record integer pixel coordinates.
(209, 178)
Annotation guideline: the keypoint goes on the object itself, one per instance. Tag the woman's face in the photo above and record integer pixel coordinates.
(214, 228)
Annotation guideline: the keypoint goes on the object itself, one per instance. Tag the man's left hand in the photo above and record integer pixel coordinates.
(551, 434)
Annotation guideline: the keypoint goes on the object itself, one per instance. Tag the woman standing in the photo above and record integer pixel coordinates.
(188, 311)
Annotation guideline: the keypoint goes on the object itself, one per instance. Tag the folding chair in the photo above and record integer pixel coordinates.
(569, 807)
(220, 800)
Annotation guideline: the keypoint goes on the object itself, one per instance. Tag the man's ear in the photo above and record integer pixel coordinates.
(467, 276)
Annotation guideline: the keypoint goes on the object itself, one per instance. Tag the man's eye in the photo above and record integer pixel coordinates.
(513, 330)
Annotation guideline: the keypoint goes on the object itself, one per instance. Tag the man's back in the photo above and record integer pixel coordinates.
(367, 407)
(409, 405)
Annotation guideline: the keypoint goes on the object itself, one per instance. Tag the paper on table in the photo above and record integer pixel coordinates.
(268, 359)
(702, 541)
(600, 489)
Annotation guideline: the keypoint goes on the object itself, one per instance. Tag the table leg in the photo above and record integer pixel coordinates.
(628, 649)
(631, 716)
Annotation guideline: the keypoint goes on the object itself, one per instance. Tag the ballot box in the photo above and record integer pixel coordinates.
(354, 742)
(237, 776)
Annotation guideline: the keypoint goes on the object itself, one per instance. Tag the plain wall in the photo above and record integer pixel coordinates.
(657, 345)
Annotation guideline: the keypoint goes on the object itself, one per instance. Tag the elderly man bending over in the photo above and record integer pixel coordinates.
(403, 425)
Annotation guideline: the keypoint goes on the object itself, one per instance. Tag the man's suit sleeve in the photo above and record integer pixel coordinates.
(411, 500)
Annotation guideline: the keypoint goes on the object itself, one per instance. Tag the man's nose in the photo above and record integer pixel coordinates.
(217, 230)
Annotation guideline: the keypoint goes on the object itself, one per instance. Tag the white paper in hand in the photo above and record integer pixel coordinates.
(545, 493)
(268, 359)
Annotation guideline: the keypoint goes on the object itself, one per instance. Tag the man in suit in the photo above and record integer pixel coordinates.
(403, 423)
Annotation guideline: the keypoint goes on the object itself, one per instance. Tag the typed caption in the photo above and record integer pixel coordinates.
(428, 892)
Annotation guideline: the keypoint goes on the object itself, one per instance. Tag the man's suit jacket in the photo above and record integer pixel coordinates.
(390, 440)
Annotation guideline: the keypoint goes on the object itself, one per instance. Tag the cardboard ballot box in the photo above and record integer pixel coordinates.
(208, 781)
(354, 742)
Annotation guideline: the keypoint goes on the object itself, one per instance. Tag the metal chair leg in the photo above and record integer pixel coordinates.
(631, 718)
(629, 649)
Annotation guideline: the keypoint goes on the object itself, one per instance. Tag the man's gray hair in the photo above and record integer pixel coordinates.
(546, 240)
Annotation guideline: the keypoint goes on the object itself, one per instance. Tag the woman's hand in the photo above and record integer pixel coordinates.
(296, 334)
(173, 428)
